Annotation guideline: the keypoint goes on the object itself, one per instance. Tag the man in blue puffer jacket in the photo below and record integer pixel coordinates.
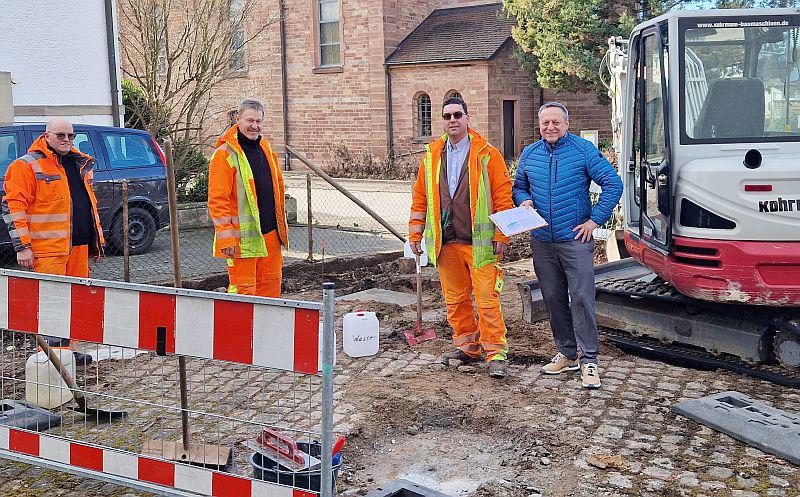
(553, 177)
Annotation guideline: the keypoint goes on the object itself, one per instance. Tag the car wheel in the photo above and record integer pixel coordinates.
(141, 231)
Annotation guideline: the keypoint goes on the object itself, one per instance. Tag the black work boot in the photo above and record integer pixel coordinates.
(82, 359)
(459, 355)
(498, 368)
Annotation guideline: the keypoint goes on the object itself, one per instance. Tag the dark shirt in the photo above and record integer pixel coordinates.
(262, 176)
(82, 222)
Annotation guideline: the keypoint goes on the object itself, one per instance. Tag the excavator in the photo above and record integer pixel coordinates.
(706, 122)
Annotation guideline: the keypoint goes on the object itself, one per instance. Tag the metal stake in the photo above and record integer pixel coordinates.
(126, 235)
(326, 456)
(310, 220)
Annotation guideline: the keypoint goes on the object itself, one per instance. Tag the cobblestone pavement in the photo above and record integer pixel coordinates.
(665, 454)
(455, 429)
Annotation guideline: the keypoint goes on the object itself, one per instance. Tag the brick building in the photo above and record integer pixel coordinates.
(345, 59)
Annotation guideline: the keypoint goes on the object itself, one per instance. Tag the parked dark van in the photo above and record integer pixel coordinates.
(121, 154)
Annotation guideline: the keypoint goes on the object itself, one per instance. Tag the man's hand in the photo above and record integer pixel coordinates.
(527, 203)
(228, 252)
(416, 247)
(25, 258)
(499, 248)
(585, 230)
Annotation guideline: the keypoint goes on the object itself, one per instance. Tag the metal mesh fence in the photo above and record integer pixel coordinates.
(338, 227)
(323, 222)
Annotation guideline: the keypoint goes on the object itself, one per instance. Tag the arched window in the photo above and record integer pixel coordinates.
(452, 93)
(422, 116)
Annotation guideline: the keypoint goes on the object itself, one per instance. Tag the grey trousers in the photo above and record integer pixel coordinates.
(566, 278)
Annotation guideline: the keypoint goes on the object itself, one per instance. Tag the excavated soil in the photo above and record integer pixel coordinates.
(440, 424)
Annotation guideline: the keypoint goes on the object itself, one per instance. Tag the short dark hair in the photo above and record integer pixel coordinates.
(455, 100)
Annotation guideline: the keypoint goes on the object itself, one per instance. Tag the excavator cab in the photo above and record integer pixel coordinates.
(706, 121)
(707, 118)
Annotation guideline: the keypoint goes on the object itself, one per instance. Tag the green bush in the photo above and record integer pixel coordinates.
(191, 177)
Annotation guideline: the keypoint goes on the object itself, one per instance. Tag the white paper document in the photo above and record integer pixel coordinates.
(517, 220)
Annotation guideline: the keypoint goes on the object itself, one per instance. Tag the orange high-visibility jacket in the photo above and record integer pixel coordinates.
(37, 207)
(223, 201)
(499, 183)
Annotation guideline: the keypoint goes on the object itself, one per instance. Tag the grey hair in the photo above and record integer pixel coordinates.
(250, 103)
(557, 105)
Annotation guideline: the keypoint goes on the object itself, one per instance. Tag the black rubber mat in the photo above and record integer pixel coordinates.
(26, 416)
(404, 488)
(743, 418)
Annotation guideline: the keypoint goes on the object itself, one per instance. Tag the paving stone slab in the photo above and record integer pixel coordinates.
(748, 420)
(404, 488)
(381, 295)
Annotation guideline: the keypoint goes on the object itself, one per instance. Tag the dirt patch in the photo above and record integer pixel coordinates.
(438, 425)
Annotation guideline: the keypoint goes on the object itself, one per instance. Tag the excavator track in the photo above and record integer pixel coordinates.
(699, 358)
(744, 334)
(637, 311)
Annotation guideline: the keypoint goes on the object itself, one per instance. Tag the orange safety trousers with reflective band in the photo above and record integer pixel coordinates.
(459, 278)
(75, 264)
(258, 275)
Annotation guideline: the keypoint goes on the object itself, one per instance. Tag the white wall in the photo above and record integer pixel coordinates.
(57, 54)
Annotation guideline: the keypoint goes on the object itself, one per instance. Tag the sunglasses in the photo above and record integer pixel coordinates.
(458, 115)
(65, 136)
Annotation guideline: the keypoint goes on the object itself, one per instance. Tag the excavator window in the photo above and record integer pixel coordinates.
(740, 79)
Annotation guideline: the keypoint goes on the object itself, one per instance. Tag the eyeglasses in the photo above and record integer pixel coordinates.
(458, 115)
(65, 136)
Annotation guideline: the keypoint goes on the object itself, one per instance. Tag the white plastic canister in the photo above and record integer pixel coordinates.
(44, 386)
(360, 337)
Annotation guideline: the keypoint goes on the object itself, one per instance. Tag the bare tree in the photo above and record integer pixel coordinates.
(177, 51)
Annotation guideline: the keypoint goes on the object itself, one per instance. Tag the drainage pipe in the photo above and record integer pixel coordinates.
(287, 156)
(111, 44)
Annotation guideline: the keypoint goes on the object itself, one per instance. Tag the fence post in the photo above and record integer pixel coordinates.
(126, 235)
(310, 220)
(322, 174)
(328, 309)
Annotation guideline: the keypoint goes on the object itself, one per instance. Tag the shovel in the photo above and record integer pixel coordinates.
(98, 414)
(209, 456)
(418, 334)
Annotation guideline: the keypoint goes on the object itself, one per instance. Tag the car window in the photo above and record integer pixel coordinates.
(83, 143)
(9, 151)
(126, 150)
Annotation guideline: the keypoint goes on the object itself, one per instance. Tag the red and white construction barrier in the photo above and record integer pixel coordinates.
(273, 333)
(128, 466)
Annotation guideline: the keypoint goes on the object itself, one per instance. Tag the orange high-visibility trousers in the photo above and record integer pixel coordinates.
(74, 264)
(459, 279)
(258, 275)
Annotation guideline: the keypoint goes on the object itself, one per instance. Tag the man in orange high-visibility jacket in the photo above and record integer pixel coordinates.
(461, 181)
(51, 211)
(246, 203)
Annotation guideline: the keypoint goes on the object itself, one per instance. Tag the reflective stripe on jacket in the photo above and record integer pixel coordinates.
(490, 192)
(37, 206)
(232, 200)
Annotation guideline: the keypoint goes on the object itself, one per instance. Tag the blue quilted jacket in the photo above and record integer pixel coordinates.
(557, 179)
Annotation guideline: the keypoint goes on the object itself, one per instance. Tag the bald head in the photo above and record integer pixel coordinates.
(59, 135)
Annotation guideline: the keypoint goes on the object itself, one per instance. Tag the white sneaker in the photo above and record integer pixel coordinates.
(590, 376)
(559, 364)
